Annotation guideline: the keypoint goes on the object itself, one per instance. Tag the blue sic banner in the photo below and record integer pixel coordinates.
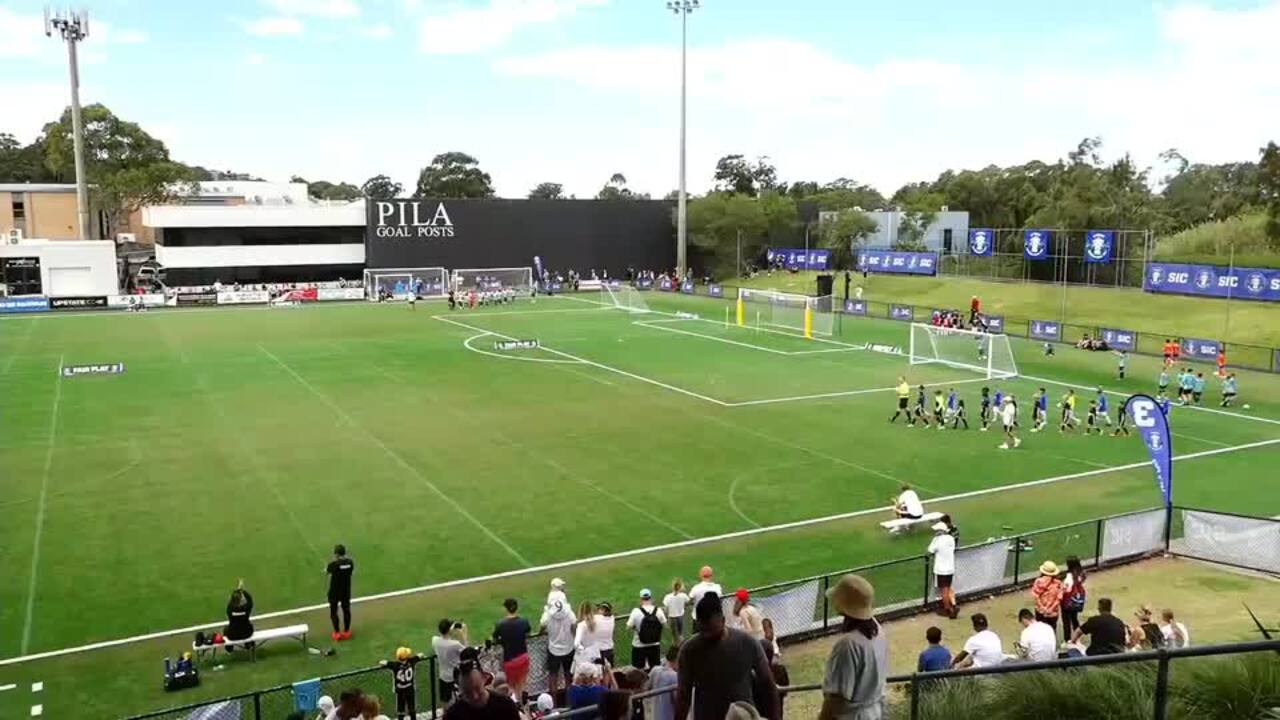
(715, 291)
(799, 258)
(855, 307)
(1126, 340)
(901, 312)
(664, 283)
(644, 284)
(1198, 349)
(686, 287)
(1036, 244)
(1045, 330)
(1240, 283)
(982, 241)
(1153, 425)
(895, 261)
(24, 304)
(1098, 245)
(994, 323)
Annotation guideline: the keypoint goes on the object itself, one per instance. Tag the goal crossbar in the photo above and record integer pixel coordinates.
(987, 353)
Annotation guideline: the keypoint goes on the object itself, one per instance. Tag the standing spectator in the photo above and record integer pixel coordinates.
(606, 619)
(1073, 596)
(590, 637)
(475, 702)
(1039, 641)
(646, 623)
(340, 570)
(935, 657)
(982, 649)
(404, 671)
(771, 640)
(559, 624)
(239, 608)
(448, 649)
(853, 684)
(1107, 633)
(675, 603)
(1047, 591)
(706, 583)
(943, 550)
(1175, 633)
(665, 676)
(749, 618)
(719, 663)
(512, 634)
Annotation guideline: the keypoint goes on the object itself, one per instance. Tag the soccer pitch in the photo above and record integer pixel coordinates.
(244, 443)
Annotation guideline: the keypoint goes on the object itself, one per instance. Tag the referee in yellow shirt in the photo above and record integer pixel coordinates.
(903, 390)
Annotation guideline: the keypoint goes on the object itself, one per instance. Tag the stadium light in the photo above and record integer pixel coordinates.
(683, 8)
(73, 27)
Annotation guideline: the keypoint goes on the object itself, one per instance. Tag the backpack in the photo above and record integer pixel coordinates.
(650, 631)
(1075, 600)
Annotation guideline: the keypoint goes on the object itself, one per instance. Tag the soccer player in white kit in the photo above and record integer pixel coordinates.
(1009, 416)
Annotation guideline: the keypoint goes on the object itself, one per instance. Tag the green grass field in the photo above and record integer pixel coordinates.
(245, 442)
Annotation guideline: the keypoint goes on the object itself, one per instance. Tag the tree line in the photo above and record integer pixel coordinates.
(749, 205)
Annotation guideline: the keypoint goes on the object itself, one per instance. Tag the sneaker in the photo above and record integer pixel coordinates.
(1035, 429)
(346, 635)
(983, 429)
(1004, 446)
(337, 636)
(1017, 442)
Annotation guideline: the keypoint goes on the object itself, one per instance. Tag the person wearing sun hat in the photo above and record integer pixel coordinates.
(853, 683)
(1047, 591)
(943, 550)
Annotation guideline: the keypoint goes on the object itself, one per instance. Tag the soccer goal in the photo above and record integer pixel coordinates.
(981, 352)
(489, 279)
(802, 314)
(624, 297)
(400, 283)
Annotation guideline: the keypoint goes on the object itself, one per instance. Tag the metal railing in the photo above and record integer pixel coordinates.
(799, 609)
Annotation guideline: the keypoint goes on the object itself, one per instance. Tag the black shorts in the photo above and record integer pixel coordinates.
(1196, 395)
(560, 664)
(1164, 387)
(944, 581)
(448, 689)
(902, 403)
(1228, 395)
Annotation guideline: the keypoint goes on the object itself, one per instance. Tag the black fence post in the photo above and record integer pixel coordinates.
(1017, 557)
(1162, 686)
(1097, 545)
(1168, 526)
(435, 682)
(257, 706)
(915, 697)
(924, 603)
(826, 611)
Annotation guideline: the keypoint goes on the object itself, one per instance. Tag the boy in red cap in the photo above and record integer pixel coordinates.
(750, 620)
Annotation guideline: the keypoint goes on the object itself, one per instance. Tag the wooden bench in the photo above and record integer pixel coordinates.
(901, 525)
(259, 638)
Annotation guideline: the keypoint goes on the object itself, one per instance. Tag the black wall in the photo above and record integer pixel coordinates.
(205, 237)
(578, 234)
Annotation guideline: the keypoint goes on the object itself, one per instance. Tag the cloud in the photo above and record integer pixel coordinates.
(129, 37)
(22, 36)
(317, 8)
(381, 31)
(273, 26)
(465, 30)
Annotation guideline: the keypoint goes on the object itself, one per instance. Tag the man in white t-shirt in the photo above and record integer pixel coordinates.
(1175, 633)
(908, 504)
(646, 623)
(1009, 418)
(1038, 642)
(982, 649)
(943, 550)
(707, 583)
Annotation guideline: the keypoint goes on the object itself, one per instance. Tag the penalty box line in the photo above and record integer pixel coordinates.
(521, 572)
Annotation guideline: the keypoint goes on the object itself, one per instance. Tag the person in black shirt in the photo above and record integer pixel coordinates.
(406, 688)
(239, 608)
(1107, 633)
(340, 570)
(475, 701)
(512, 634)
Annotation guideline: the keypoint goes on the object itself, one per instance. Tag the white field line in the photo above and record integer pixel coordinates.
(734, 505)
(5, 688)
(844, 393)
(467, 344)
(40, 508)
(396, 457)
(592, 363)
(1185, 407)
(624, 554)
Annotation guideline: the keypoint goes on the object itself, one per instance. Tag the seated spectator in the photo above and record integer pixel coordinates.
(1175, 633)
(935, 657)
(350, 705)
(590, 683)
(982, 649)
(475, 700)
(239, 608)
(325, 706)
(1107, 633)
(771, 647)
(615, 705)
(1039, 641)
(1145, 634)
(907, 504)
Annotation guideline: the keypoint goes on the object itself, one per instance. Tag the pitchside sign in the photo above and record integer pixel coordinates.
(479, 233)
(895, 261)
(1045, 330)
(1241, 283)
(1126, 340)
(1198, 349)
(855, 307)
(901, 312)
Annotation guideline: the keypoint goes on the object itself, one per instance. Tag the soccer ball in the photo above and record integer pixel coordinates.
(1246, 406)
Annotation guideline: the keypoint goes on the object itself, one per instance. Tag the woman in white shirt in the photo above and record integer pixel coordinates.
(674, 604)
(594, 636)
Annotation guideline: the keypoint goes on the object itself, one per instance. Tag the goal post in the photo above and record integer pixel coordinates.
(802, 314)
(623, 297)
(519, 279)
(399, 283)
(986, 353)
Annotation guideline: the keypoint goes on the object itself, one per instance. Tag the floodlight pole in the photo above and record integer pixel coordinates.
(74, 27)
(682, 8)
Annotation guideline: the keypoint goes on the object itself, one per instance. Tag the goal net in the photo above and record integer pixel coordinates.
(981, 352)
(623, 297)
(802, 314)
(490, 279)
(400, 283)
